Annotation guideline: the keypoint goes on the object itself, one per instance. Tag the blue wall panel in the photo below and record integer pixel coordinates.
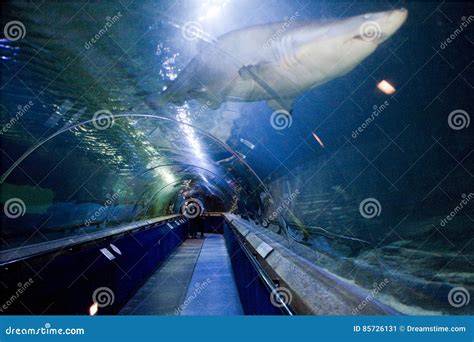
(64, 281)
(254, 295)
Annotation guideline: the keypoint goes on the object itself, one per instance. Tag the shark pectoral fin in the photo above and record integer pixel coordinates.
(247, 72)
(259, 73)
(285, 104)
(253, 71)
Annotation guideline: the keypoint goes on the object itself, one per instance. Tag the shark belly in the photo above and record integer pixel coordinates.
(270, 81)
(258, 63)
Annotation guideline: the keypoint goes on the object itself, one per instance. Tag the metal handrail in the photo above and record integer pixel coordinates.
(261, 272)
(13, 255)
(324, 232)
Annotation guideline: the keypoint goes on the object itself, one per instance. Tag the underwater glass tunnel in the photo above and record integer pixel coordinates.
(335, 133)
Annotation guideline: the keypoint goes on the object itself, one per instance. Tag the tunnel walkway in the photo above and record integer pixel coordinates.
(238, 268)
(197, 279)
(212, 290)
(165, 290)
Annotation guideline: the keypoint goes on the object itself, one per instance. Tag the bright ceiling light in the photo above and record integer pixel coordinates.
(386, 87)
(213, 9)
(93, 309)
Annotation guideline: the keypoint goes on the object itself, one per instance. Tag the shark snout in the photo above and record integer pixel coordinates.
(391, 22)
(378, 27)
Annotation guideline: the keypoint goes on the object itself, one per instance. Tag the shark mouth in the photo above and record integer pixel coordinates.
(369, 39)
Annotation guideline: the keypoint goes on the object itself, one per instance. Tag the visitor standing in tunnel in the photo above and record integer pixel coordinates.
(192, 228)
(200, 223)
(196, 224)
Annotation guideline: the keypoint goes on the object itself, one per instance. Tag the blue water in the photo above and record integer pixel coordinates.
(76, 59)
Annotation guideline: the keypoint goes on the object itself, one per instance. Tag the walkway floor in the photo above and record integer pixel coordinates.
(166, 289)
(213, 290)
(197, 279)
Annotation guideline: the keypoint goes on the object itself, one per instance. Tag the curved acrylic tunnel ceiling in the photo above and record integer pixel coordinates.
(67, 171)
(408, 164)
(120, 168)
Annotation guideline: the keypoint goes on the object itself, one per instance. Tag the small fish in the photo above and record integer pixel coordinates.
(318, 139)
(247, 143)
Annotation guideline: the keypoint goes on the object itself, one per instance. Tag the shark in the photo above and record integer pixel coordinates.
(276, 62)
